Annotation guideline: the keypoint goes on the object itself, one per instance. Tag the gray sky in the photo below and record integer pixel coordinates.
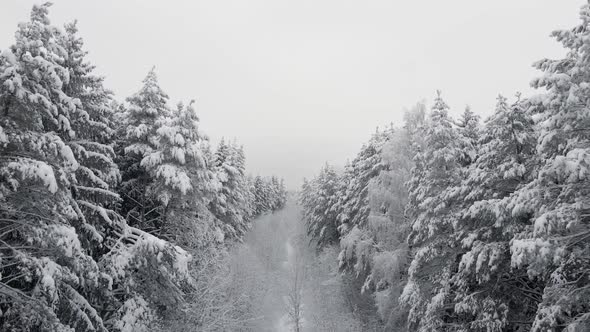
(307, 81)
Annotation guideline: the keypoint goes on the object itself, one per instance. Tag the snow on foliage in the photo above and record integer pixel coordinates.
(495, 215)
(76, 170)
(135, 315)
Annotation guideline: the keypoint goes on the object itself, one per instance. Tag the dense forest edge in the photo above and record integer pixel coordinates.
(451, 224)
(119, 215)
(114, 216)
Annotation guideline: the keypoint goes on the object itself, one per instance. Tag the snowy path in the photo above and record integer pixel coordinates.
(270, 255)
(289, 286)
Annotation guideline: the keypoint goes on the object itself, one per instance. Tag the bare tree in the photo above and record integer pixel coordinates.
(296, 285)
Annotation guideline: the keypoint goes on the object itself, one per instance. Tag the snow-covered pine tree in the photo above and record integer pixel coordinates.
(490, 294)
(181, 178)
(469, 128)
(555, 247)
(145, 109)
(45, 269)
(230, 205)
(318, 198)
(283, 193)
(268, 194)
(219, 205)
(354, 207)
(97, 173)
(262, 196)
(149, 277)
(242, 183)
(250, 195)
(432, 207)
(166, 160)
(170, 158)
(414, 124)
(357, 245)
(275, 190)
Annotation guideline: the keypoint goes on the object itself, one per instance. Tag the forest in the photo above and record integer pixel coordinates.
(122, 215)
(113, 215)
(454, 224)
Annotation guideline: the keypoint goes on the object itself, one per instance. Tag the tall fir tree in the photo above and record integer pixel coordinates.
(555, 247)
(490, 294)
(97, 174)
(318, 198)
(432, 194)
(469, 128)
(181, 178)
(146, 107)
(45, 269)
(230, 205)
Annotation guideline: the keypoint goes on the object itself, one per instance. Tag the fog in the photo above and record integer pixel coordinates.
(304, 82)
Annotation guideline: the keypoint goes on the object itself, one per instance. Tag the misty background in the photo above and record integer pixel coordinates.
(303, 82)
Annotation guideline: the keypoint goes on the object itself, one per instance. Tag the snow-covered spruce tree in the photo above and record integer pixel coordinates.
(250, 195)
(45, 269)
(275, 191)
(283, 193)
(415, 124)
(268, 194)
(353, 205)
(145, 109)
(555, 245)
(433, 209)
(281, 199)
(469, 128)
(148, 273)
(97, 173)
(181, 179)
(243, 183)
(170, 154)
(149, 276)
(279, 192)
(102, 228)
(262, 195)
(361, 198)
(490, 294)
(230, 204)
(357, 245)
(317, 199)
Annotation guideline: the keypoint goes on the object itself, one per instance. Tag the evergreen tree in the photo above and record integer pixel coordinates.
(554, 246)
(149, 277)
(146, 107)
(283, 193)
(45, 269)
(353, 205)
(490, 294)
(268, 194)
(432, 198)
(469, 128)
(69, 261)
(97, 173)
(181, 179)
(262, 196)
(499, 214)
(389, 228)
(242, 185)
(230, 205)
(318, 198)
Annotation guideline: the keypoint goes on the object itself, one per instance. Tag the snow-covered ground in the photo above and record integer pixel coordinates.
(294, 288)
(269, 255)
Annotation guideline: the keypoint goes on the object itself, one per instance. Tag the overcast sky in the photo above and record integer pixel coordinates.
(307, 81)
